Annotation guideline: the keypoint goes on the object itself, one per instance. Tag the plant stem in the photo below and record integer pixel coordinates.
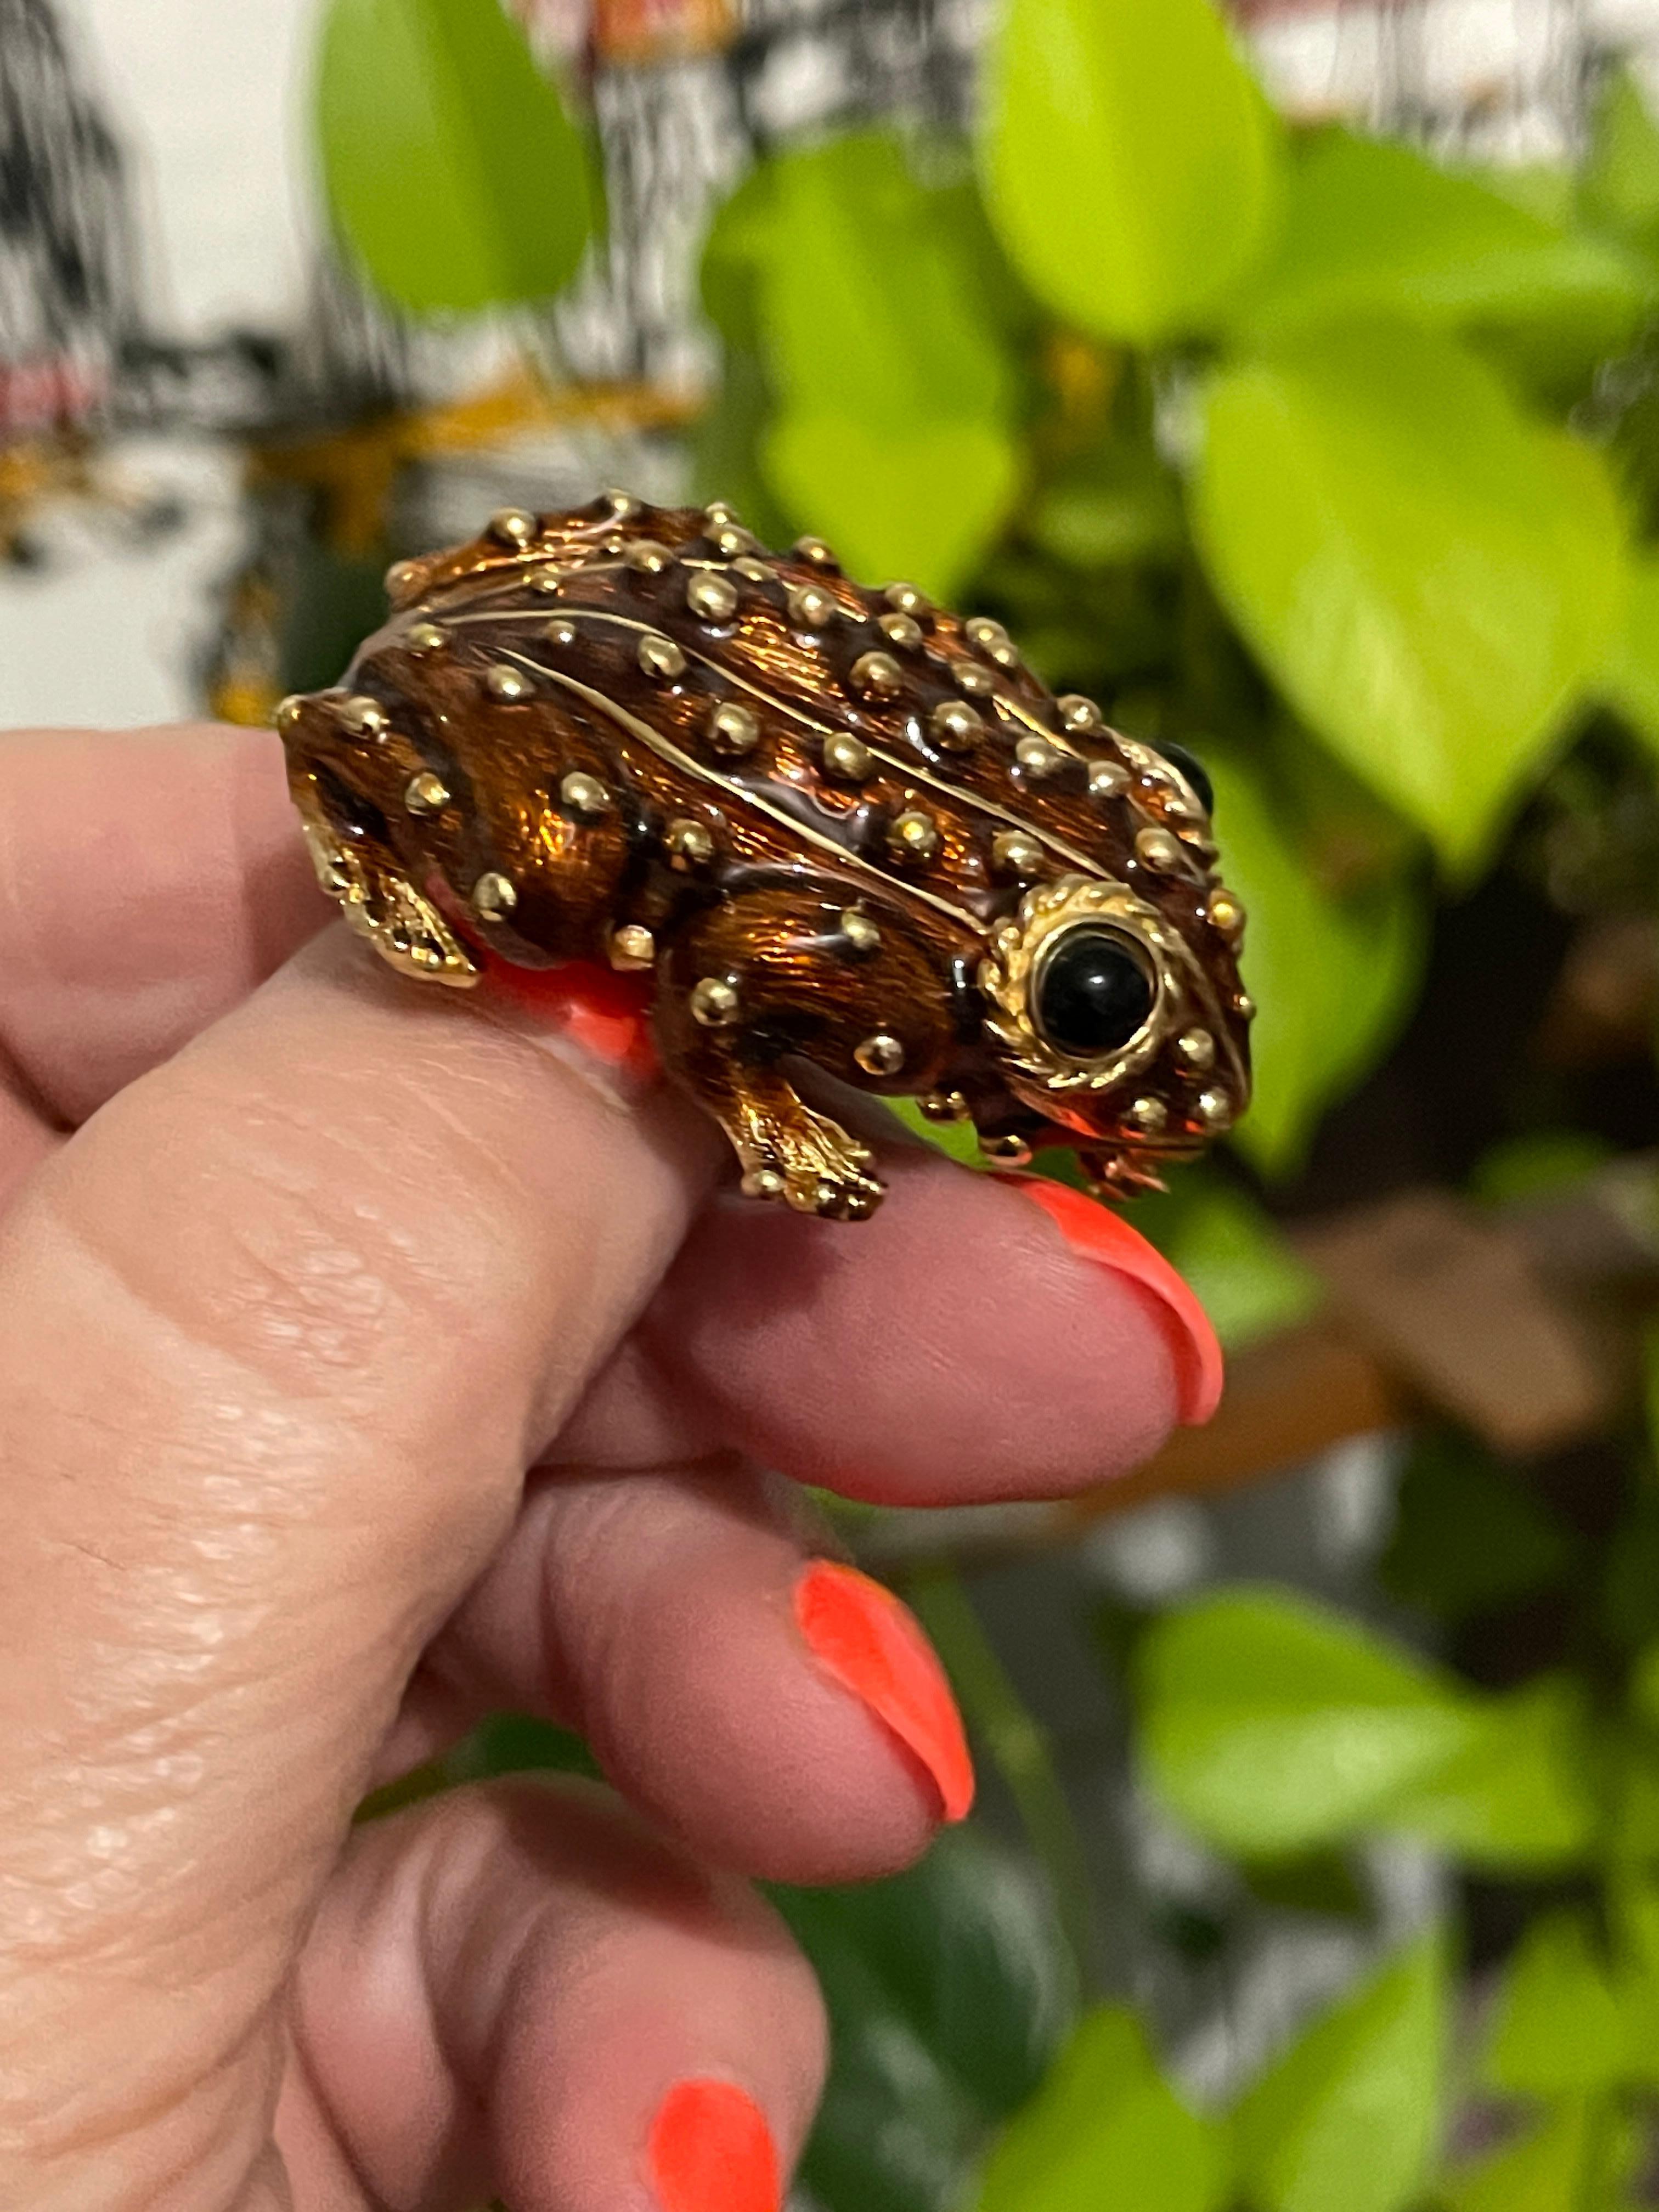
(1017, 1746)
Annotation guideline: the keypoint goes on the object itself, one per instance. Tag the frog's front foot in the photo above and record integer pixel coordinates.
(811, 1163)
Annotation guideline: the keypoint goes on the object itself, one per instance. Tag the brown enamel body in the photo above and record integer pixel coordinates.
(846, 818)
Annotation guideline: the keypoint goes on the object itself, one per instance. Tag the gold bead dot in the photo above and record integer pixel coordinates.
(1149, 1115)
(1244, 1005)
(860, 931)
(906, 599)
(1213, 1108)
(729, 539)
(714, 1003)
(811, 607)
(494, 897)
(584, 795)
(1157, 850)
(560, 632)
(913, 835)
(815, 550)
(1014, 854)
(955, 726)
(751, 571)
(1224, 912)
(648, 558)
(881, 1054)
(401, 577)
(620, 504)
(290, 713)
(1107, 780)
(714, 597)
(515, 527)
(763, 1184)
(877, 675)
(1006, 1152)
(689, 843)
(985, 633)
(943, 1106)
(847, 758)
(661, 656)
(548, 581)
(426, 793)
(361, 717)
(510, 685)
(1081, 714)
(426, 637)
(719, 512)
(631, 947)
(901, 630)
(1195, 1049)
(978, 683)
(1038, 758)
(733, 729)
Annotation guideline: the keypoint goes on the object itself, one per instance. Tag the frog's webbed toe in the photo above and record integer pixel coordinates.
(791, 1153)
(379, 900)
(812, 973)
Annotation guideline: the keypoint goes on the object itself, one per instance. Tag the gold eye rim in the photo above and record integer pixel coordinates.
(1020, 948)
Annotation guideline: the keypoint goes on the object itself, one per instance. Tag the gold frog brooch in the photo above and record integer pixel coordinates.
(841, 829)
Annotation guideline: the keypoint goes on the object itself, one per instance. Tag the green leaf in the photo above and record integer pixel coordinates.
(1574, 2162)
(1271, 1725)
(949, 1989)
(1519, 1794)
(1467, 1534)
(453, 171)
(1559, 2025)
(1632, 676)
(893, 440)
(1431, 578)
(1132, 163)
(1348, 2118)
(1233, 1256)
(1545, 1163)
(1619, 185)
(1105, 2128)
(1374, 228)
(1333, 979)
(924, 504)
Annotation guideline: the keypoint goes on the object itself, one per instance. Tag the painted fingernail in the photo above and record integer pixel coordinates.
(1104, 1237)
(712, 2151)
(872, 1644)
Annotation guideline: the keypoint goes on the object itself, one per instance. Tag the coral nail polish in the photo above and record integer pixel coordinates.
(872, 1644)
(1105, 1237)
(712, 2151)
(607, 1015)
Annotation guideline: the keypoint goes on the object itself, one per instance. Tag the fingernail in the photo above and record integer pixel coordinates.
(606, 1014)
(872, 1644)
(712, 2151)
(1105, 1237)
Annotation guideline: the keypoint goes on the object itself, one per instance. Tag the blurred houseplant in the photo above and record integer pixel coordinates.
(1342, 470)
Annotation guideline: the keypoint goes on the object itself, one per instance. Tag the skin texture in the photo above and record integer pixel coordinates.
(371, 1358)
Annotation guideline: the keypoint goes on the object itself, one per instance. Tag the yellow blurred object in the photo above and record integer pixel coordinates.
(652, 30)
(356, 469)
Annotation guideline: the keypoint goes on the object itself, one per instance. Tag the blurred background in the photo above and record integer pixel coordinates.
(1289, 381)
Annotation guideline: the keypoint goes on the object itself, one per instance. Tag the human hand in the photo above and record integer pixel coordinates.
(302, 1268)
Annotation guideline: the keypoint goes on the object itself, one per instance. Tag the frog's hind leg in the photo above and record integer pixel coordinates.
(358, 868)
(819, 975)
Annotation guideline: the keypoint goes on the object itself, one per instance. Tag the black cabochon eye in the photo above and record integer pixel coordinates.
(1093, 994)
(1195, 771)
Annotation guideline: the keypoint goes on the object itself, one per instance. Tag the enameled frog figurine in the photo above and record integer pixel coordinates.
(839, 828)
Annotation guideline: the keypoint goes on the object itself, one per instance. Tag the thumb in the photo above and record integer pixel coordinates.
(280, 1329)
